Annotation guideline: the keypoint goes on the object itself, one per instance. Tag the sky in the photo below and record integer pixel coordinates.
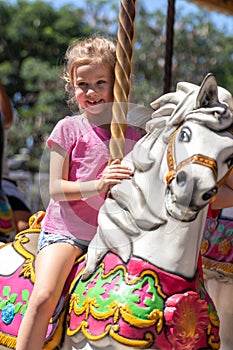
(222, 21)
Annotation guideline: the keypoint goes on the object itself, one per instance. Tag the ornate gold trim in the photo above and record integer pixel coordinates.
(214, 345)
(111, 330)
(217, 265)
(8, 341)
(116, 310)
(28, 268)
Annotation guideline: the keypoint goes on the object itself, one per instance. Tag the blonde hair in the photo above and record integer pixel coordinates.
(96, 49)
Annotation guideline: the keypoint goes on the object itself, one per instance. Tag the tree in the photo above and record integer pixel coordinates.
(200, 48)
(33, 40)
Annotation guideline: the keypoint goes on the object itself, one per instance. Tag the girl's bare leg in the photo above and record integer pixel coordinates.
(53, 265)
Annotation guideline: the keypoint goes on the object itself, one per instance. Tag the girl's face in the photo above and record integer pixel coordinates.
(93, 85)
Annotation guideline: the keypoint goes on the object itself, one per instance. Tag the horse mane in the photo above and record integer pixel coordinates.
(174, 107)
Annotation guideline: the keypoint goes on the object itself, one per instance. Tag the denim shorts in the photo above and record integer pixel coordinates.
(46, 238)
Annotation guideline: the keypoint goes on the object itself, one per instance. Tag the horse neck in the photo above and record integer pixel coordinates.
(174, 246)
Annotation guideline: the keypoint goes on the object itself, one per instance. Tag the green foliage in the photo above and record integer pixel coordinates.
(34, 37)
(201, 48)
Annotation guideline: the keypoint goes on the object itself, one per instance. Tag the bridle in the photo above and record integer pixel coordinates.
(194, 159)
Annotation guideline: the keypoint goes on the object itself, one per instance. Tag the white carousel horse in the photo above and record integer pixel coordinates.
(140, 286)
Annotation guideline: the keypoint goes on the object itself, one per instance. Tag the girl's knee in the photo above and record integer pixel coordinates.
(43, 300)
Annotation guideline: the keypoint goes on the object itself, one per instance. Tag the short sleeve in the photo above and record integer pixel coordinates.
(65, 134)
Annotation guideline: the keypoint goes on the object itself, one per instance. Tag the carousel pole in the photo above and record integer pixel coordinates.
(169, 46)
(121, 90)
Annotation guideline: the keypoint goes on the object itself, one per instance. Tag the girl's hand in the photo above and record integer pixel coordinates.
(112, 175)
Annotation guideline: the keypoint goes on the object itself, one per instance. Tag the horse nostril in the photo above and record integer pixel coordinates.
(181, 178)
(208, 195)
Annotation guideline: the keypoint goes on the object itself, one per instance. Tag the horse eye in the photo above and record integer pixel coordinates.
(229, 161)
(184, 135)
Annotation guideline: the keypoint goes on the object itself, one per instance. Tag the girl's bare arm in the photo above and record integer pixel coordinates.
(62, 189)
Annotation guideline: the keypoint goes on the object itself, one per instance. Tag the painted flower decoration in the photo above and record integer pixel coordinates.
(204, 246)
(186, 316)
(225, 247)
(8, 314)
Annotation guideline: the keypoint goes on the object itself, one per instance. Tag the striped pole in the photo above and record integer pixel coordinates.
(121, 90)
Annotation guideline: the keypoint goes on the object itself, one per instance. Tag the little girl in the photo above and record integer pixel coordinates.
(79, 180)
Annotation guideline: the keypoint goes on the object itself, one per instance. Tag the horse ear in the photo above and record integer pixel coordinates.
(208, 94)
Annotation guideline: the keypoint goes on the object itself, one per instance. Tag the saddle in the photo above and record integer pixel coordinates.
(129, 314)
(17, 283)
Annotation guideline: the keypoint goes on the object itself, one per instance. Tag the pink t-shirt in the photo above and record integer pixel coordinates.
(88, 147)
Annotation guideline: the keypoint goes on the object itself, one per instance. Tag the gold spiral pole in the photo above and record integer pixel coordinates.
(121, 90)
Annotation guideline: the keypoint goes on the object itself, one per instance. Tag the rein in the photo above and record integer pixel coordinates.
(194, 159)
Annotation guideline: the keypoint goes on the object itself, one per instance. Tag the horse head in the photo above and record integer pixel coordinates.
(196, 113)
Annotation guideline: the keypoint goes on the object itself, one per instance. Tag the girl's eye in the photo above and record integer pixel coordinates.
(185, 135)
(99, 82)
(81, 84)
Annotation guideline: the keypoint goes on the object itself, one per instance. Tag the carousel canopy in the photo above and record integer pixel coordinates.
(224, 6)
